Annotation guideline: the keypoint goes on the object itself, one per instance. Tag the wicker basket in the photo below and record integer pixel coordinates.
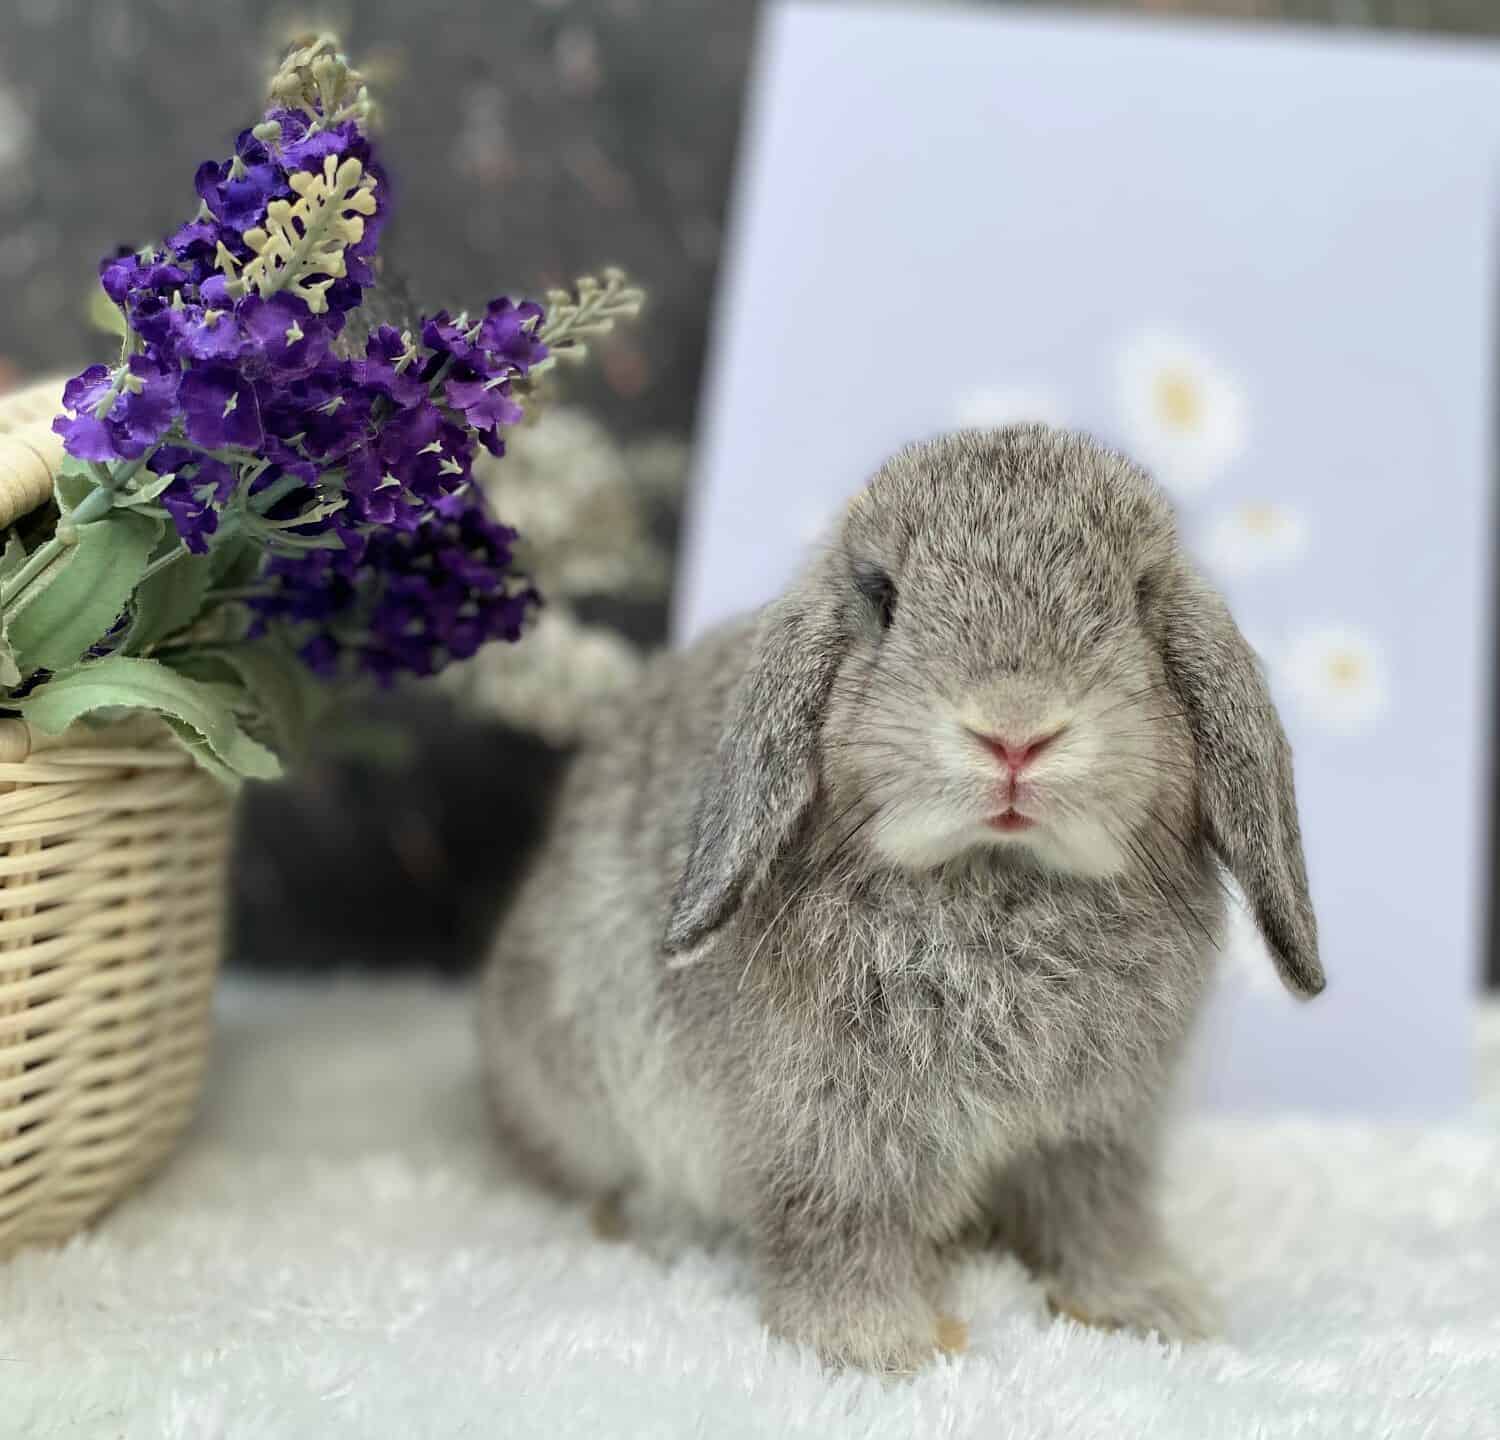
(112, 884)
(113, 848)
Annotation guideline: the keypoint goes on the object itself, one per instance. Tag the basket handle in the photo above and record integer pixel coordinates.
(15, 741)
(30, 453)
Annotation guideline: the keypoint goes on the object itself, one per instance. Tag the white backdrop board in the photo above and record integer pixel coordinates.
(1262, 262)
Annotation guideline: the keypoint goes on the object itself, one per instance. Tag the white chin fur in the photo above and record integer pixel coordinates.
(922, 838)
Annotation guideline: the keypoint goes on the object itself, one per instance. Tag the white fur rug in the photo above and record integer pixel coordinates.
(337, 1252)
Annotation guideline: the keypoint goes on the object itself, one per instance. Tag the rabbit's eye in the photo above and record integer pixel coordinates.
(880, 590)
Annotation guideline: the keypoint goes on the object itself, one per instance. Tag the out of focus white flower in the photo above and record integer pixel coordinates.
(557, 683)
(1255, 537)
(15, 133)
(580, 501)
(1184, 416)
(988, 407)
(1337, 678)
(583, 505)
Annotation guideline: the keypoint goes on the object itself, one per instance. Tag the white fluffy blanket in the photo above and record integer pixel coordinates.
(337, 1252)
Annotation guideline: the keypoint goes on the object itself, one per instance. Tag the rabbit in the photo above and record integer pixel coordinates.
(876, 921)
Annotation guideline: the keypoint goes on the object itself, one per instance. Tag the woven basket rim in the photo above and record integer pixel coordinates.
(20, 741)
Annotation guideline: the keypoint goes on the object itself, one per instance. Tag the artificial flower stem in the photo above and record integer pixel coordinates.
(275, 492)
(40, 560)
(94, 506)
(156, 566)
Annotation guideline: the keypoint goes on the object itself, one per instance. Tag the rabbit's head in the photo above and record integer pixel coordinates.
(1005, 650)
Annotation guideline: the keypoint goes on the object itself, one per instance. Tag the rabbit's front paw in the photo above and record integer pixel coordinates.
(885, 1344)
(1160, 1298)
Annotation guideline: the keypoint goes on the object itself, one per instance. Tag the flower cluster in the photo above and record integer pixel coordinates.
(239, 411)
(209, 345)
(420, 597)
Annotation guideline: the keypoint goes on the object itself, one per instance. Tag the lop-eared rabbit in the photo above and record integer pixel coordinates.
(877, 920)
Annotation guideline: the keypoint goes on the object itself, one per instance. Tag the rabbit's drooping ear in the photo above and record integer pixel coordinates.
(1249, 807)
(765, 773)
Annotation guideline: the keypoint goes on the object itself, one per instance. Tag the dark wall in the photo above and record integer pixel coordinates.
(529, 140)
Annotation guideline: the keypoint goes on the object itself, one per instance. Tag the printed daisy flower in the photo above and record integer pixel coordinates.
(988, 407)
(1184, 416)
(1337, 678)
(1255, 537)
(15, 134)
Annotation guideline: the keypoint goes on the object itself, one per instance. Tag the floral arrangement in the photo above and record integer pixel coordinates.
(267, 490)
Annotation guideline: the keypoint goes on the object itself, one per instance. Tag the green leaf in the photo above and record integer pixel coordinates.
(73, 604)
(235, 563)
(167, 602)
(145, 494)
(199, 749)
(279, 686)
(11, 560)
(75, 481)
(120, 682)
(105, 315)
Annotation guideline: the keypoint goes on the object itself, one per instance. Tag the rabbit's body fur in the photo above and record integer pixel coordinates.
(862, 1058)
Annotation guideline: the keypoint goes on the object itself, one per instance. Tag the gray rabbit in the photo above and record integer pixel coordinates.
(877, 920)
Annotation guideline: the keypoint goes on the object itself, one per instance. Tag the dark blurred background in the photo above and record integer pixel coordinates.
(529, 141)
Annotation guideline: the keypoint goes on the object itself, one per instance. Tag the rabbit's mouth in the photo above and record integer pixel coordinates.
(1010, 821)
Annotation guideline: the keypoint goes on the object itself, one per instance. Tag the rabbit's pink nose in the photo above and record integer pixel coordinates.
(1016, 754)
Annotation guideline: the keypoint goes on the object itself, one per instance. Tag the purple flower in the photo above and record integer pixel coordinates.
(86, 438)
(415, 600)
(239, 202)
(126, 273)
(481, 360)
(372, 500)
(89, 389)
(289, 338)
(220, 408)
(508, 332)
(117, 272)
(214, 292)
(285, 461)
(446, 338)
(324, 412)
(147, 406)
(200, 484)
(152, 316)
(377, 371)
(503, 344)
(306, 152)
(194, 246)
(486, 405)
(137, 405)
(205, 333)
(407, 432)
